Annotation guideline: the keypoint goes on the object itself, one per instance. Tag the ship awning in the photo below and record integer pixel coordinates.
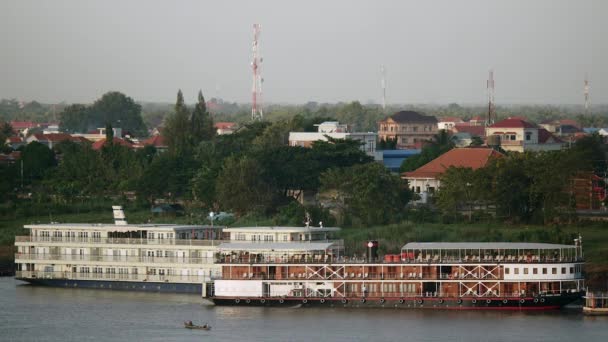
(275, 246)
(483, 245)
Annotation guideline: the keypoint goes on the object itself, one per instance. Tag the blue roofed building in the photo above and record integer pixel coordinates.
(393, 159)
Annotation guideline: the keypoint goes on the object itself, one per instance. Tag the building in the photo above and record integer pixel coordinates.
(23, 126)
(158, 141)
(117, 141)
(225, 127)
(335, 130)
(472, 130)
(99, 134)
(562, 128)
(518, 135)
(410, 129)
(392, 159)
(425, 180)
(50, 140)
(15, 142)
(449, 122)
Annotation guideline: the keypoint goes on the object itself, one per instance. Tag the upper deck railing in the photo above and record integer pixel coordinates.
(119, 241)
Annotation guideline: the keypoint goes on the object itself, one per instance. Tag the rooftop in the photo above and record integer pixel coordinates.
(483, 245)
(513, 122)
(276, 246)
(111, 226)
(411, 116)
(281, 229)
(473, 158)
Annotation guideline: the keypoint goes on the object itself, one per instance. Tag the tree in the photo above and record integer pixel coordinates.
(119, 110)
(37, 160)
(458, 190)
(74, 119)
(240, 186)
(177, 128)
(201, 123)
(368, 193)
(476, 141)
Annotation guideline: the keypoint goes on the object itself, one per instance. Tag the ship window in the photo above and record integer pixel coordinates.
(525, 270)
(554, 270)
(534, 270)
(544, 270)
(516, 270)
(563, 270)
(150, 235)
(507, 270)
(571, 270)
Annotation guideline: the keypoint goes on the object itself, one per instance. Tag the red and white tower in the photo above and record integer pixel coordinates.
(256, 64)
(491, 107)
(586, 92)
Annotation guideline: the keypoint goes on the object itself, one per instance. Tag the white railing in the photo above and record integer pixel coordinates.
(112, 277)
(113, 258)
(119, 241)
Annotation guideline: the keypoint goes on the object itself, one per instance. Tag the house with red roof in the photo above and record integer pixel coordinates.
(448, 122)
(516, 134)
(21, 126)
(15, 142)
(116, 141)
(425, 180)
(158, 141)
(225, 127)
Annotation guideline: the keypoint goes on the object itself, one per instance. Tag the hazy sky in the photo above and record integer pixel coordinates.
(326, 51)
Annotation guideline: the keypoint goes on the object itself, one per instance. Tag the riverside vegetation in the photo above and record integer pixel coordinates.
(256, 175)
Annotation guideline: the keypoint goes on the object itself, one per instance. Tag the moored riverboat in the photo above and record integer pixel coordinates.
(596, 304)
(488, 276)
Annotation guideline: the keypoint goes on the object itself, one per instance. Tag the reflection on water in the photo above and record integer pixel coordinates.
(30, 313)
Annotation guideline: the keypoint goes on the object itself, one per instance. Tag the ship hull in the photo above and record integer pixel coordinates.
(465, 303)
(118, 285)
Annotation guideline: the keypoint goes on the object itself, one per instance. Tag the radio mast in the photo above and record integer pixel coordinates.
(586, 92)
(383, 84)
(256, 64)
(491, 106)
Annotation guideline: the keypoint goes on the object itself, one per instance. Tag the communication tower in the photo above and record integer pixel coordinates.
(383, 84)
(491, 106)
(586, 92)
(256, 64)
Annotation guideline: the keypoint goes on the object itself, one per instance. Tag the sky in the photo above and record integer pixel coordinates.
(315, 50)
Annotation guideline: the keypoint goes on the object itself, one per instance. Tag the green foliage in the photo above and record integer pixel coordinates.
(201, 123)
(368, 193)
(112, 108)
(240, 186)
(37, 161)
(74, 119)
(177, 128)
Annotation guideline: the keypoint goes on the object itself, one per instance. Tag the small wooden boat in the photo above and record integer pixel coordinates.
(197, 327)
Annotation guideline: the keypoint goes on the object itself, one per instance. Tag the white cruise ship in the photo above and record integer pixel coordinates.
(145, 257)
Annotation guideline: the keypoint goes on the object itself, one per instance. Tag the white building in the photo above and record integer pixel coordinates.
(335, 130)
(519, 136)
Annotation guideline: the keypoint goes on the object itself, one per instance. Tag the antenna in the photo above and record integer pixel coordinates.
(586, 92)
(256, 64)
(383, 84)
(491, 107)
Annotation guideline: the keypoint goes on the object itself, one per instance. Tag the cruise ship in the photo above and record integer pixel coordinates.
(120, 256)
(426, 275)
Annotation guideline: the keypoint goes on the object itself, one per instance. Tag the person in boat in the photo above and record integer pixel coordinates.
(205, 326)
(189, 323)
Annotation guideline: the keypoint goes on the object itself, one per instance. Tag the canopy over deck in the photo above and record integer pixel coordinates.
(483, 245)
(276, 246)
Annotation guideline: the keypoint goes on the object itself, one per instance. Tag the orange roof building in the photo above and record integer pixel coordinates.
(426, 179)
(117, 141)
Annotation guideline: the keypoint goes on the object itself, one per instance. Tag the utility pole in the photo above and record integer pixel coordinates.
(256, 64)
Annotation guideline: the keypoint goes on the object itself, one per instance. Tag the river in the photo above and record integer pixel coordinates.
(31, 313)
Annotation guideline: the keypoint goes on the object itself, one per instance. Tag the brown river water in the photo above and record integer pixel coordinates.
(31, 313)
